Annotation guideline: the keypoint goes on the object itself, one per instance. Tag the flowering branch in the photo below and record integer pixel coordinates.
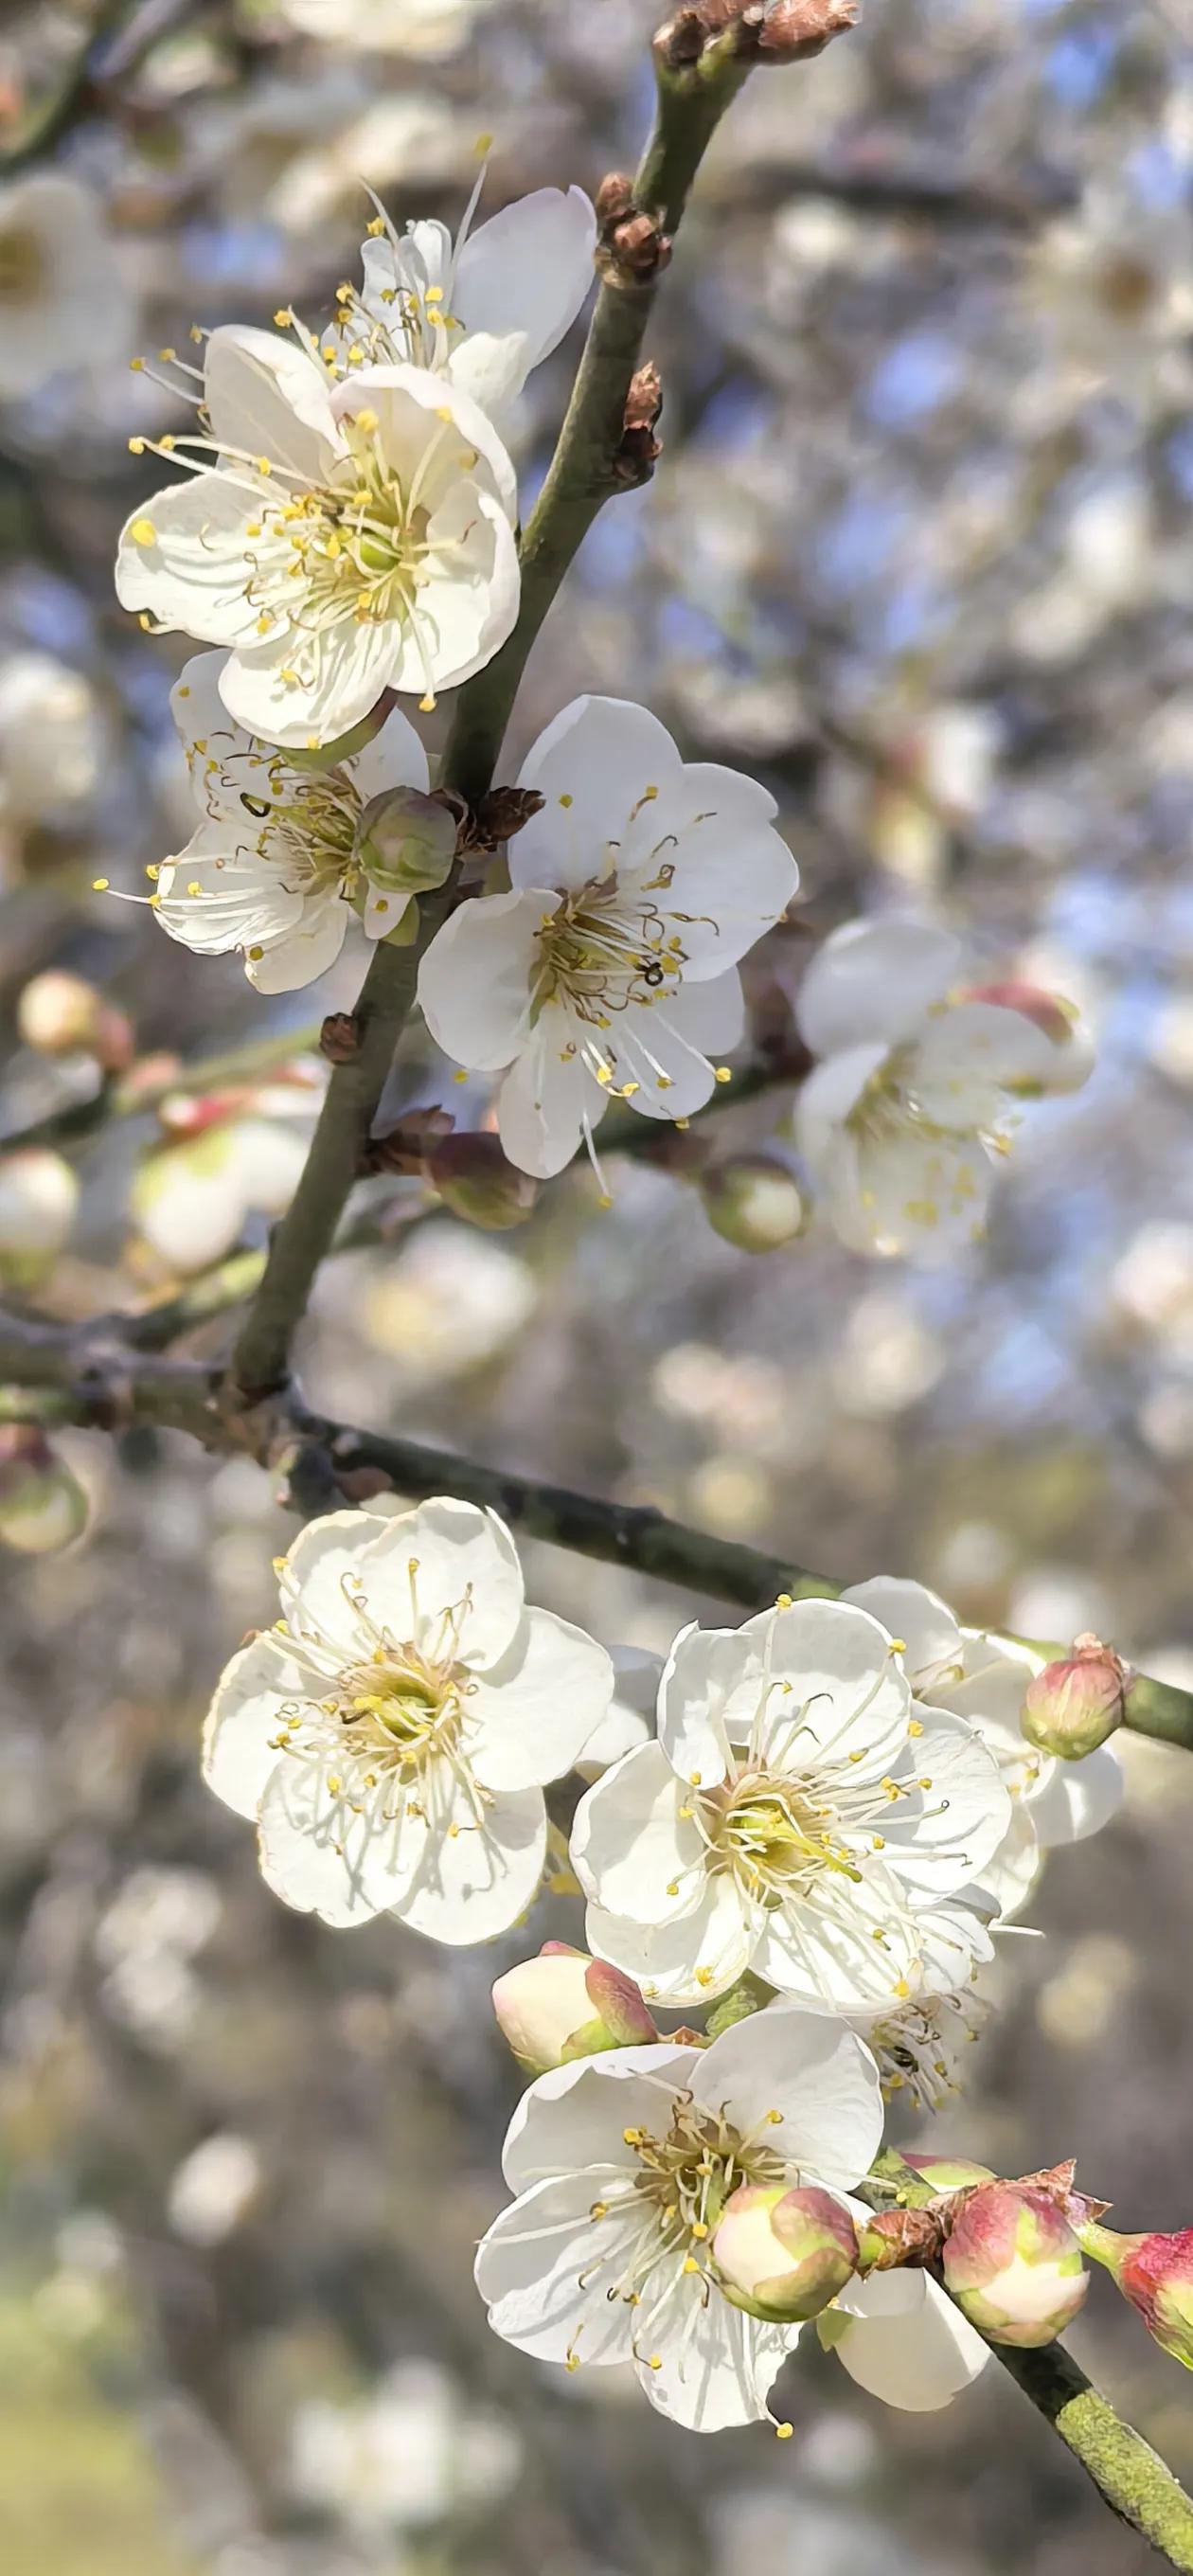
(584, 473)
(99, 1379)
(1132, 2478)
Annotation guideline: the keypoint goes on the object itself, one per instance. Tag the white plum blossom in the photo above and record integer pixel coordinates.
(984, 1678)
(622, 2164)
(405, 2457)
(796, 1817)
(392, 1736)
(279, 864)
(482, 310)
(63, 301)
(610, 968)
(630, 1719)
(921, 1085)
(341, 538)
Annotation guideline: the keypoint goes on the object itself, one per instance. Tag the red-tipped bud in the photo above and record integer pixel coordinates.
(564, 2005)
(42, 1505)
(783, 2254)
(477, 1181)
(1072, 1053)
(948, 2173)
(1013, 2264)
(1075, 1704)
(60, 1014)
(754, 1202)
(1156, 2274)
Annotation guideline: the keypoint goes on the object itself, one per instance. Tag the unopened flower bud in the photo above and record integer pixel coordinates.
(1076, 1703)
(564, 2005)
(61, 1014)
(1156, 2274)
(781, 2254)
(406, 841)
(754, 1202)
(38, 1198)
(476, 1180)
(42, 1504)
(948, 2173)
(1014, 2266)
(1072, 1052)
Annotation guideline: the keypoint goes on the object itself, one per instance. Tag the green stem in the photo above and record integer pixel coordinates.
(1130, 2477)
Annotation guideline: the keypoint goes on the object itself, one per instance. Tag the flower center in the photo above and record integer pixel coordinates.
(399, 1710)
(773, 1835)
(603, 950)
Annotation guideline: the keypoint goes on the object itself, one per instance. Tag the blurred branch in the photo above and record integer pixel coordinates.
(106, 1384)
(1130, 2477)
(583, 474)
(53, 116)
(871, 188)
(126, 1097)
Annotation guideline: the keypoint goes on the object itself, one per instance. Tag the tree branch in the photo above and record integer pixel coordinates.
(126, 1098)
(1129, 2476)
(101, 1382)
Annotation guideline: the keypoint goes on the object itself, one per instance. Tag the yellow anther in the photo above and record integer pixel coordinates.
(691, 2264)
(367, 421)
(565, 801)
(898, 1645)
(136, 447)
(426, 706)
(915, 1726)
(255, 955)
(784, 1601)
(902, 1989)
(721, 1073)
(100, 885)
(695, 1778)
(704, 1976)
(573, 2359)
(775, 2118)
(283, 317)
(143, 532)
(699, 2229)
(137, 366)
(633, 2137)
(167, 356)
(194, 887)
(783, 2432)
(153, 871)
(334, 1783)
(377, 227)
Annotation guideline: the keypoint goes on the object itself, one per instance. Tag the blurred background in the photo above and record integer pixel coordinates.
(918, 553)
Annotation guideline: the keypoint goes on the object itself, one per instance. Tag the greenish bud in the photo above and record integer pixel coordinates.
(754, 1202)
(405, 842)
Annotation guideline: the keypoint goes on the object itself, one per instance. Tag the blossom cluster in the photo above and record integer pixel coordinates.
(343, 534)
(836, 1798)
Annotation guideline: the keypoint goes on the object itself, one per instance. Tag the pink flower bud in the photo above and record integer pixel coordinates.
(42, 1505)
(1058, 1019)
(1075, 1704)
(783, 2254)
(476, 1180)
(1013, 2264)
(754, 1202)
(948, 2173)
(1156, 2274)
(564, 2005)
(60, 1014)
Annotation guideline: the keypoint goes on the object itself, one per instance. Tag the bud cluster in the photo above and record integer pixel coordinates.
(765, 32)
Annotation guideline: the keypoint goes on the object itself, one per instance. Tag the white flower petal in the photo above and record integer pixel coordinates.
(944, 1829)
(472, 1880)
(474, 983)
(849, 1701)
(300, 956)
(931, 1637)
(578, 2114)
(846, 1942)
(689, 1960)
(593, 764)
(1078, 1799)
(396, 757)
(912, 1192)
(468, 604)
(192, 571)
(671, 1078)
(239, 1748)
(532, 2264)
(1007, 1880)
(444, 1557)
(969, 1057)
(527, 271)
(711, 1675)
(815, 2073)
(320, 1856)
(629, 1719)
(872, 982)
(905, 2342)
(207, 733)
(427, 425)
(213, 897)
(266, 397)
(630, 1844)
(548, 1098)
(711, 1016)
(530, 1716)
(715, 2364)
(319, 1571)
(335, 680)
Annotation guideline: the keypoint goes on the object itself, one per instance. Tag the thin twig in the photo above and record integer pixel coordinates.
(126, 1098)
(106, 1385)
